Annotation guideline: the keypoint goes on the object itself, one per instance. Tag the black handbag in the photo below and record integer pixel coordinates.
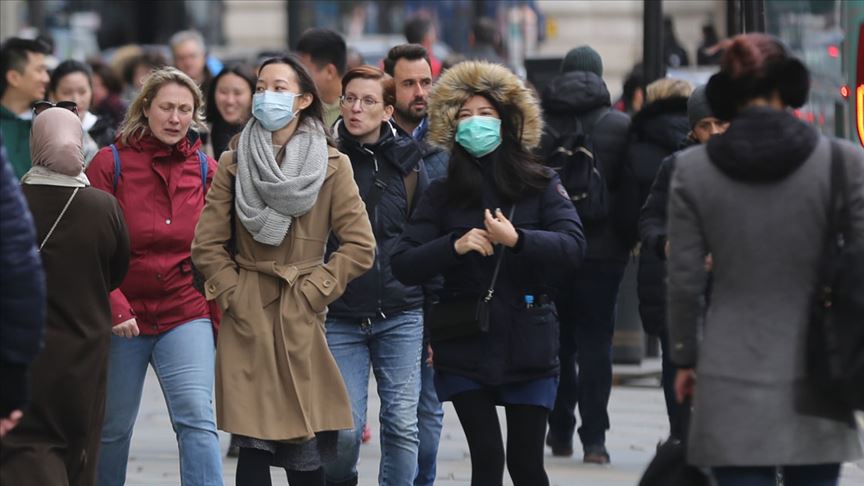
(459, 317)
(835, 344)
(669, 466)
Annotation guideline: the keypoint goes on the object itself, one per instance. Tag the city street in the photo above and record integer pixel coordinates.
(638, 420)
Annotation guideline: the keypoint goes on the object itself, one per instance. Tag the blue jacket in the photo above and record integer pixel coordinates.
(22, 291)
(377, 293)
(522, 344)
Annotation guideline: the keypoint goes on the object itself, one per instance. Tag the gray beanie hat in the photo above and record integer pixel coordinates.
(697, 106)
(582, 58)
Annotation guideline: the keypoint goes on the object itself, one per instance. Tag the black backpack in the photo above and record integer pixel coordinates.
(574, 157)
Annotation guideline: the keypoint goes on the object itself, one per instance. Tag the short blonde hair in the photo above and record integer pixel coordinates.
(667, 88)
(135, 125)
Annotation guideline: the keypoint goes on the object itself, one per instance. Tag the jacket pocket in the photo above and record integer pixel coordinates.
(534, 339)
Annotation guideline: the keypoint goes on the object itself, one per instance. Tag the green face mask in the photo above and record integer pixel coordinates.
(479, 135)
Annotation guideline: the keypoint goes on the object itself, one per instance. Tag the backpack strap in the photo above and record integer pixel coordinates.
(202, 157)
(116, 167)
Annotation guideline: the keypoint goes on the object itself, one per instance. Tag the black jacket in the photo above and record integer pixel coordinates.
(377, 293)
(435, 159)
(22, 292)
(657, 131)
(584, 96)
(652, 256)
(522, 343)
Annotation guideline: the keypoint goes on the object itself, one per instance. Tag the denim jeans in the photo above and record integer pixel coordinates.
(392, 347)
(430, 420)
(816, 475)
(586, 309)
(183, 359)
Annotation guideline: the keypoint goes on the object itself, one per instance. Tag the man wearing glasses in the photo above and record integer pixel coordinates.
(24, 81)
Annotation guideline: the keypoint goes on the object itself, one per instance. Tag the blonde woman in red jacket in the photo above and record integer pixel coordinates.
(159, 175)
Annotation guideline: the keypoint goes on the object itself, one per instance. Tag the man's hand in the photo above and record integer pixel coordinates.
(685, 384)
(127, 329)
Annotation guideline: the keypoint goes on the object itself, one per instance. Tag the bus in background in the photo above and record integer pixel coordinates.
(828, 35)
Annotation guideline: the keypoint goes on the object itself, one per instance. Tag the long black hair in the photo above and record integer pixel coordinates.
(517, 171)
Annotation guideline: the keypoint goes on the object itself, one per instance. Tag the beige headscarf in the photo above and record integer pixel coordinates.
(56, 141)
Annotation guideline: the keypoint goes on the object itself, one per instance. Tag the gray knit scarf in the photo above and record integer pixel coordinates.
(269, 194)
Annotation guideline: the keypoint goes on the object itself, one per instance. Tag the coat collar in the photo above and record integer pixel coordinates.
(181, 150)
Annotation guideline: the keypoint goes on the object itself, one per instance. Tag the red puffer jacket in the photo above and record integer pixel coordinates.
(161, 193)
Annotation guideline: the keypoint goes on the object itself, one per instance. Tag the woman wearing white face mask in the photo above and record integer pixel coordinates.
(502, 231)
(260, 244)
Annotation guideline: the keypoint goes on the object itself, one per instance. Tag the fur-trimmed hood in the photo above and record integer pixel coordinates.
(469, 78)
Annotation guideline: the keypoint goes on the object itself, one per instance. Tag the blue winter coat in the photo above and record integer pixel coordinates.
(522, 343)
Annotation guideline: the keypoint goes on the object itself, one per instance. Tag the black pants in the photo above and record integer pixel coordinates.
(586, 309)
(526, 428)
(253, 469)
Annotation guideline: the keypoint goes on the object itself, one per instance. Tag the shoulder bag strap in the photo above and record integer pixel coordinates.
(379, 184)
(491, 292)
(57, 221)
(202, 158)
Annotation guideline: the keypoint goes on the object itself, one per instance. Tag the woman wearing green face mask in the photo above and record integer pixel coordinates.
(500, 222)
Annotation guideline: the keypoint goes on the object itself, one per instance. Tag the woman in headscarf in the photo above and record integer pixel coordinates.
(502, 230)
(260, 244)
(84, 247)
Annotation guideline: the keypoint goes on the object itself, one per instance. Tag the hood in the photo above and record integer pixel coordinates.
(663, 122)
(468, 78)
(762, 145)
(392, 146)
(575, 92)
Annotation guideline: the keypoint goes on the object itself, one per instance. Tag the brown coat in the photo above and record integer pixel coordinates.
(57, 441)
(275, 376)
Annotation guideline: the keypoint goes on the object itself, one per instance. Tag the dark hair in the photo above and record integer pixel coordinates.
(635, 80)
(151, 59)
(388, 88)
(411, 52)
(14, 54)
(66, 68)
(753, 66)
(109, 77)
(517, 171)
(306, 84)
(324, 47)
(485, 31)
(211, 112)
(416, 29)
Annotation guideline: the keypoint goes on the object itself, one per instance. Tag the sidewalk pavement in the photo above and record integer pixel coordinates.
(636, 410)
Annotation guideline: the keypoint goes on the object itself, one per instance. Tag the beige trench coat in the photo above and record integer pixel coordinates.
(275, 376)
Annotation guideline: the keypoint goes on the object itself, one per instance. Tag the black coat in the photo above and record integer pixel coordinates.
(22, 292)
(522, 344)
(377, 292)
(658, 131)
(583, 95)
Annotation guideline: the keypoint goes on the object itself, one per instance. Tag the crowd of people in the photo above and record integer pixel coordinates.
(264, 237)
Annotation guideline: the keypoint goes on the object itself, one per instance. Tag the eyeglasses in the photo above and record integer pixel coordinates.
(41, 106)
(367, 102)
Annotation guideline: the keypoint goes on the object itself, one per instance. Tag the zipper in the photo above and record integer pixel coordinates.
(380, 288)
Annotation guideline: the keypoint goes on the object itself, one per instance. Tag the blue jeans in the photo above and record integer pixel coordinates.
(430, 420)
(392, 347)
(183, 359)
(586, 309)
(817, 475)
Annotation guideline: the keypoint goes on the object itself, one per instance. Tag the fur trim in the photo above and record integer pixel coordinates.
(469, 78)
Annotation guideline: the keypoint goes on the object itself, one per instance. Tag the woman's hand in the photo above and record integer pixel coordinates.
(10, 422)
(685, 384)
(474, 240)
(500, 229)
(127, 329)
